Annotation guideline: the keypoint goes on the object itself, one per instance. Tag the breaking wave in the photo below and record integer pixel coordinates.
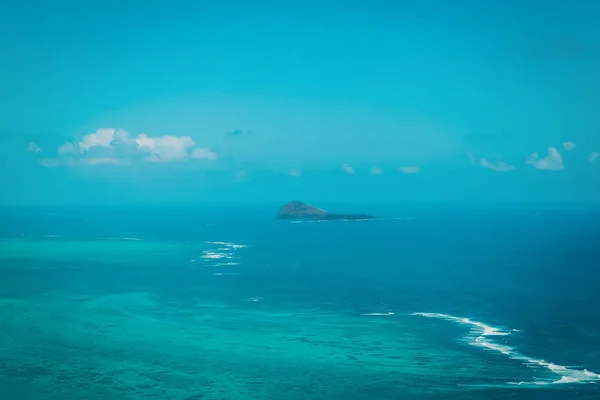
(482, 335)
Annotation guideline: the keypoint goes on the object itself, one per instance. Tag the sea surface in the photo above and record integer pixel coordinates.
(208, 302)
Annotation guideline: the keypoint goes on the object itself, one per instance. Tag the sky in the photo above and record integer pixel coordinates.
(126, 102)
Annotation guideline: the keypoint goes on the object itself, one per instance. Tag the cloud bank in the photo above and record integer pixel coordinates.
(110, 146)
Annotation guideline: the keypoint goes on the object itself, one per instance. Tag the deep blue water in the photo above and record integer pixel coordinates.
(530, 271)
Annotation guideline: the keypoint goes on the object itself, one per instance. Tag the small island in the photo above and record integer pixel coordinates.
(299, 211)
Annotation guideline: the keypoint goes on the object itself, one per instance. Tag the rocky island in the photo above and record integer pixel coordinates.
(297, 210)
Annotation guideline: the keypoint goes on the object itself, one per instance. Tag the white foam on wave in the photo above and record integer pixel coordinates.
(229, 245)
(127, 238)
(480, 336)
(222, 251)
(379, 313)
(212, 255)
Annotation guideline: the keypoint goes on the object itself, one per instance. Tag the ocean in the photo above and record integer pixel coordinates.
(432, 301)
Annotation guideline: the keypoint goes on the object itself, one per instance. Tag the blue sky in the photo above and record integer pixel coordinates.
(124, 102)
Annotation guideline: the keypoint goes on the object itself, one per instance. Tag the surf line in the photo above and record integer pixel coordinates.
(480, 336)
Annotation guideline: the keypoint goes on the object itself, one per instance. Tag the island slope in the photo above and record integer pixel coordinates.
(297, 210)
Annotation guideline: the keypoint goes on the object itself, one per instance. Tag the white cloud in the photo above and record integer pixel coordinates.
(165, 148)
(103, 137)
(122, 136)
(203, 154)
(552, 162)
(115, 146)
(102, 161)
(409, 170)
(471, 157)
(376, 171)
(33, 148)
(295, 172)
(67, 148)
(348, 169)
(593, 156)
(569, 146)
(499, 166)
(171, 148)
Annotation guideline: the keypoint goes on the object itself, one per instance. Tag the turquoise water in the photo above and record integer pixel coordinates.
(227, 303)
